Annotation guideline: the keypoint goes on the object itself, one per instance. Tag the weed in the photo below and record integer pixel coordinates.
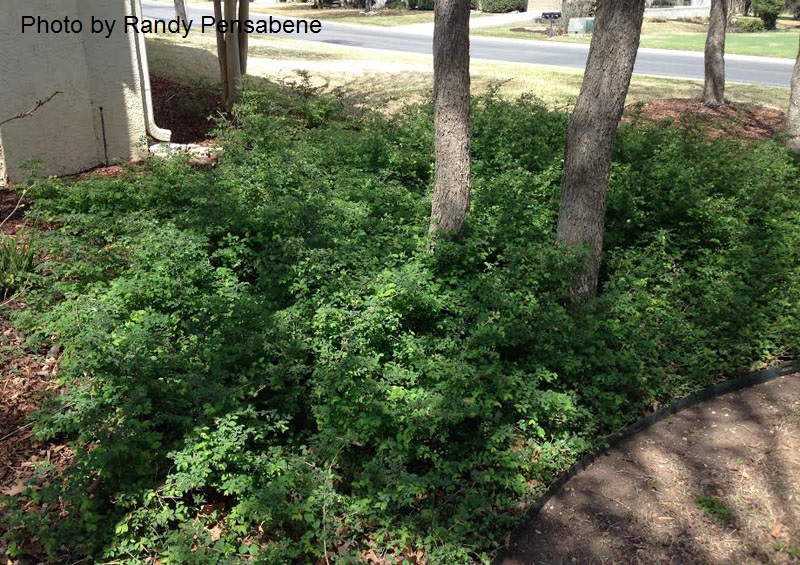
(714, 508)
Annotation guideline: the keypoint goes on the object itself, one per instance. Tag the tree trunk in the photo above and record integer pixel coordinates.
(180, 9)
(451, 100)
(232, 61)
(244, 15)
(591, 132)
(714, 88)
(222, 56)
(793, 115)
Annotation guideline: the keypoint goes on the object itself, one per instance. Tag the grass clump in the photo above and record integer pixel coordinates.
(263, 360)
(715, 509)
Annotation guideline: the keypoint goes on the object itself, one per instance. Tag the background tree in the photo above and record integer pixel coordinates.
(232, 47)
(714, 88)
(180, 9)
(591, 132)
(451, 101)
(793, 115)
(768, 11)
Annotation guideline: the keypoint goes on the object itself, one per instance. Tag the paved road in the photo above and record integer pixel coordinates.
(680, 64)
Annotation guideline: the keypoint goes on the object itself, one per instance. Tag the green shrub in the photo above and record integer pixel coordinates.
(501, 6)
(424, 4)
(264, 359)
(750, 25)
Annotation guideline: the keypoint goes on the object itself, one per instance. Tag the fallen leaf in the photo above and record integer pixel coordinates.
(776, 529)
(18, 488)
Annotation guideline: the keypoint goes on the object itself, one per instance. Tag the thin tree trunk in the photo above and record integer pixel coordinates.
(793, 115)
(714, 88)
(180, 9)
(591, 133)
(244, 14)
(222, 55)
(234, 73)
(451, 115)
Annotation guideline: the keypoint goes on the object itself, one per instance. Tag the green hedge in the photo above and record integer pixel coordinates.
(502, 6)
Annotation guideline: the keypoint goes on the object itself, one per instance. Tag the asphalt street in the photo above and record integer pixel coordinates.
(679, 64)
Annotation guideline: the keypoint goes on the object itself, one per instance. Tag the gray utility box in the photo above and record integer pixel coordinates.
(580, 25)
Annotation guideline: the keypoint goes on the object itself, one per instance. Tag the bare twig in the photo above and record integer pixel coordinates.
(15, 208)
(30, 112)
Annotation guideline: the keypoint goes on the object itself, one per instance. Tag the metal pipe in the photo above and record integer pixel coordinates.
(160, 134)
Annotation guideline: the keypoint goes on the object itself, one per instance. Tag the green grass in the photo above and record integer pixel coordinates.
(714, 508)
(767, 44)
(671, 35)
(399, 78)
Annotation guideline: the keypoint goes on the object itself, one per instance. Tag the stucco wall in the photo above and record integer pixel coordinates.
(70, 133)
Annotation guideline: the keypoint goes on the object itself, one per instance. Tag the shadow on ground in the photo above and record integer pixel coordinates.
(715, 483)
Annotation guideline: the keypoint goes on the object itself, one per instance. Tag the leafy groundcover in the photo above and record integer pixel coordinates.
(263, 360)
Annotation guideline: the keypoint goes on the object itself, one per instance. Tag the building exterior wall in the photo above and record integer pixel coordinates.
(99, 113)
(544, 5)
(678, 12)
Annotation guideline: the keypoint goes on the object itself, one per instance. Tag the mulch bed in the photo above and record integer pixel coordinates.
(733, 120)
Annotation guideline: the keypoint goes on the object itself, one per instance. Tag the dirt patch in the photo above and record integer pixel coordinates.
(717, 483)
(185, 109)
(733, 120)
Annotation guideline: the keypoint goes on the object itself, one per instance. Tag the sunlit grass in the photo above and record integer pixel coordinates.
(392, 78)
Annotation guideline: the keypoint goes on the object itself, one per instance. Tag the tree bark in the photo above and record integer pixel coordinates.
(180, 9)
(244, 14)
(591, 132)
(451, 100)
(232, 61)
(793, 115)
(714, 88)
(222, 56)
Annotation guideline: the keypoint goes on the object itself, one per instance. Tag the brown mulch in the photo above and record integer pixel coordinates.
(643, 501)
(733, 120)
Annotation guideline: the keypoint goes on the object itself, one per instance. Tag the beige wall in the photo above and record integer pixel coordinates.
(67, 135)
(544, 5)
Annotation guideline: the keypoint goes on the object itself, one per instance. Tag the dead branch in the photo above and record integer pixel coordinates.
(30, 112)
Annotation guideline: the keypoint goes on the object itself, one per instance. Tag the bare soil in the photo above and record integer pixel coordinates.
(717, 483)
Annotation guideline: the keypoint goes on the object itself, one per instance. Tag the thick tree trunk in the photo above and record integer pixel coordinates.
(451, 115)
(244, 14)
(793, 115)
(714, 88)
(180, 9)
(591, 132)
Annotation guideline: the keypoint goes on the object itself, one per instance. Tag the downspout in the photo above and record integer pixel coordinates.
(153, 130)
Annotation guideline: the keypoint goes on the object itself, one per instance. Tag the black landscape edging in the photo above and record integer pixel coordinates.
(612, 441)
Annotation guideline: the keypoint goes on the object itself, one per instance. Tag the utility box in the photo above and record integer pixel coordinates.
(580, 25)
(72, 96)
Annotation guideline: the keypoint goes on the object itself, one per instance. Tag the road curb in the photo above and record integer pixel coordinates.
(614, 440)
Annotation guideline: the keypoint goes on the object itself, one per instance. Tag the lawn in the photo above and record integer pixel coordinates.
(399, 78)
(683, 36)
